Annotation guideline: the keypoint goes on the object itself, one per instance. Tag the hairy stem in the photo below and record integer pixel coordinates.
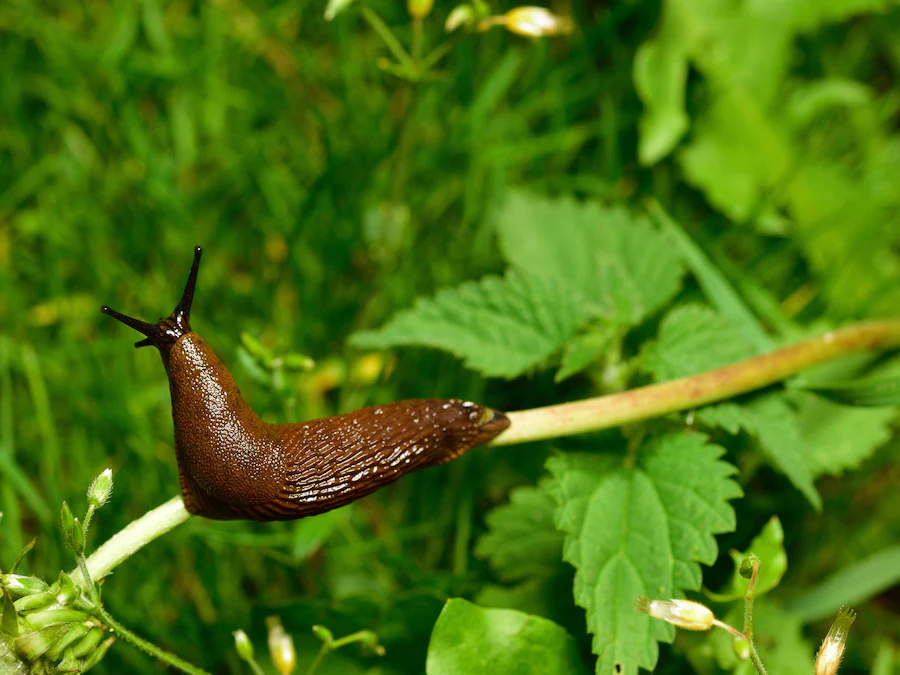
(687, 393)
(593, 414)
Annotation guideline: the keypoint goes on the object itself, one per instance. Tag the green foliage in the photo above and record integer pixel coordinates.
(640, 528)
(468, 639)
(492, 207)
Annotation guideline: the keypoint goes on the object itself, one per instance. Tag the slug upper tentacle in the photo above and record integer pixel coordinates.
(233, 465)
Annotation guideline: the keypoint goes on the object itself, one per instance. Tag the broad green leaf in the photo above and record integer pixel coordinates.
(758, 147)
(522, 540)
(774, 423)
(621, 264)
(640, 530)
(501, 327)
(850, 586)
(693, 339)
(471, 639)
(768, 546)
(582, 351)
(839, 437)
(715, 286)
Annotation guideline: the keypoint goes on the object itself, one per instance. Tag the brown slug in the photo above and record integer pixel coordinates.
(233, 465)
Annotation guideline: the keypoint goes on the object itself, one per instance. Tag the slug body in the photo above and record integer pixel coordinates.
(233, 465)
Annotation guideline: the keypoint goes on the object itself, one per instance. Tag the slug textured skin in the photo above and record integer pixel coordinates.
(233, 465)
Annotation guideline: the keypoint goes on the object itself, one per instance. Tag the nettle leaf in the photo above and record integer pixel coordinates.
(640, 530)
(694, 338)
(471, 639)
(621, 264)
(840, 437)
(522, 541)
(501, 327)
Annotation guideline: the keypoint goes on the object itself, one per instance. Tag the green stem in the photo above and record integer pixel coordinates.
(582, 416)
(687, 393)
(749, 596)
(388, 37)
(754, 656)
(148, 647)
(134, 537)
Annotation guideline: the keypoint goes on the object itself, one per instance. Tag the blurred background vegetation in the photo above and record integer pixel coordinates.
(327, 194)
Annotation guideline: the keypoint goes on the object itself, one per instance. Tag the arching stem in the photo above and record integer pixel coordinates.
(588, 415)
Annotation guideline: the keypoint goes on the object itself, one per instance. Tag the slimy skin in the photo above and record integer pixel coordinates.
(233, 465)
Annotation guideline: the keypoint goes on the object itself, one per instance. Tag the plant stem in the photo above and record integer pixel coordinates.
(148, 647)
(134, 537)
(388, 37)
(754, 656)
(578, 417)
(692, 392)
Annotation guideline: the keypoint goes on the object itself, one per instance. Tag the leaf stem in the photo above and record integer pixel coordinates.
(388, 37)
(691, 392)
(148, 647)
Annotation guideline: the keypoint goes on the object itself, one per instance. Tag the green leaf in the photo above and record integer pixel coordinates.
(470, 639)
(582, 351)
(311, 533)
(715, 286)
(772, 421)
(621, 264)
(850, 586)
(839, 437)
(871, 392)
(693, 339)
(768, 546)
(522, 540)
(501, 327)
(640, 530)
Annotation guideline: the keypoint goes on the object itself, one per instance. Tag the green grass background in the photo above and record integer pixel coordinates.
(326, 195)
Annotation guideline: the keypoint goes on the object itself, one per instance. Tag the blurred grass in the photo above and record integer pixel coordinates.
(132, 131)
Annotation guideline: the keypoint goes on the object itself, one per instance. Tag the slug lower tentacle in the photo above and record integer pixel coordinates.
(233, 465)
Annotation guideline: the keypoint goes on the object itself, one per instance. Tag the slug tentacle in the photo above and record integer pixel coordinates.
(233, 465)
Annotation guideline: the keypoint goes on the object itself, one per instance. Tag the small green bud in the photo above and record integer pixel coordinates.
(35, 601)
(243, 645)
(461, 15)
(741, 648)
(20, 585)
(88, 642)
(54, 617)
(33, 645)
(281, 646)
(101, 489)
(419, 9)
(73, 533)
(323, 633)
(76, 632)
(68, 664)
(97, 655)
(747, 564)
(298, 362)
(369, 642)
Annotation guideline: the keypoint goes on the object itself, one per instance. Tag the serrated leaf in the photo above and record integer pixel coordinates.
(640, 530)
(693, 339)
(839, 437)
(582, 351)
(621, 264)
(522, 540)
(775, 424)
(471, 639)
(501, 327)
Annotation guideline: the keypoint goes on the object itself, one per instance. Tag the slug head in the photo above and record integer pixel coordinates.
(165, 333)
